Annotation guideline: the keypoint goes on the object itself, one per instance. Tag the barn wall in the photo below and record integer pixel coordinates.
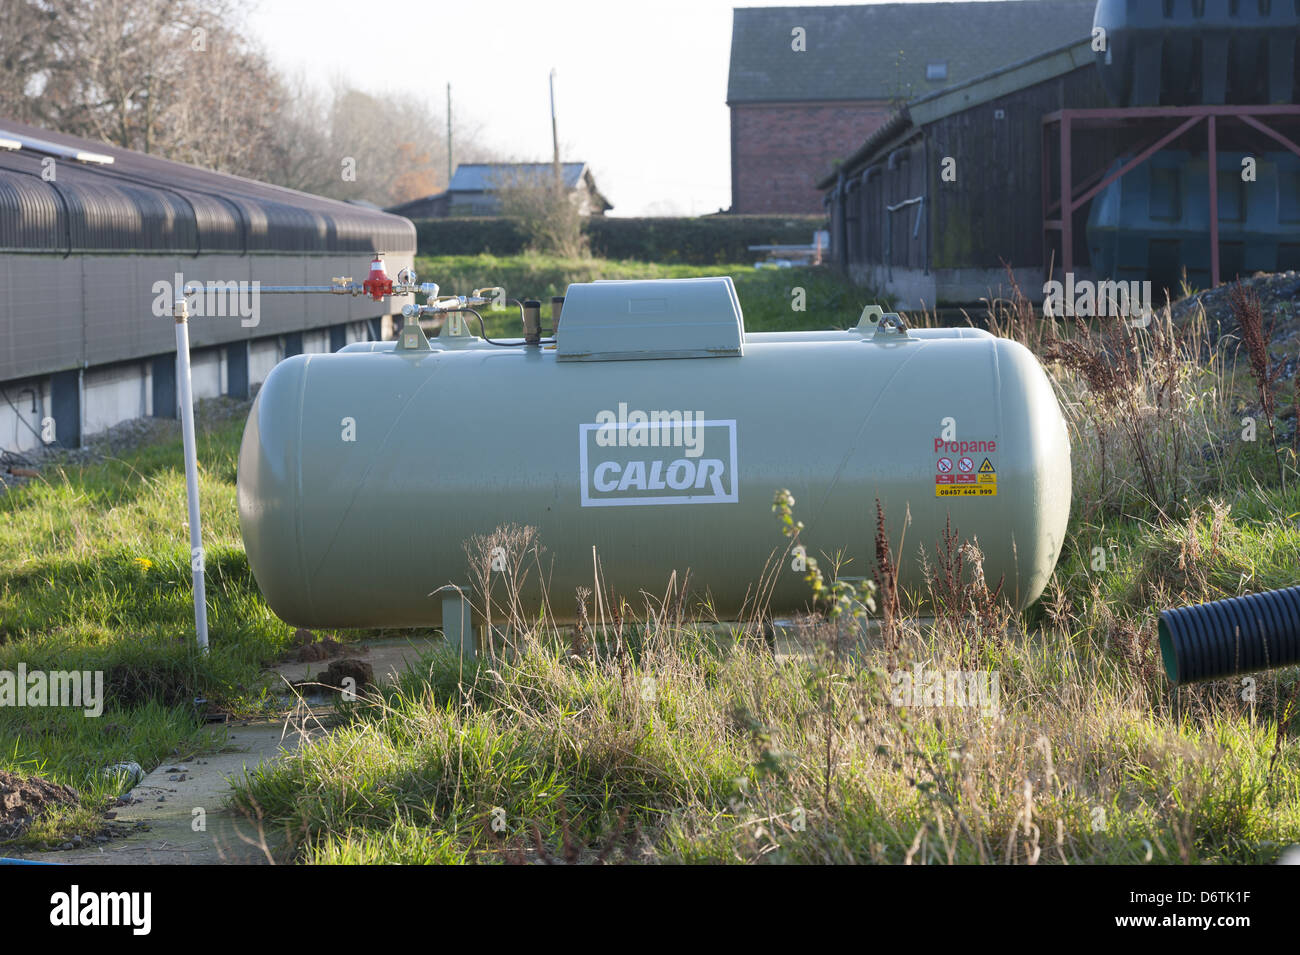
(780, 151)
(992, 212)
(913, 288)
(989, 215)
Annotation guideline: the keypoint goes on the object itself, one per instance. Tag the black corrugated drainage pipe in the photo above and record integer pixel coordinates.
(1228, 637)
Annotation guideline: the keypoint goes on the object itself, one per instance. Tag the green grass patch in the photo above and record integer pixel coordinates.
(1244, 542)
(767, 296)
(704, 755)
(95, 576)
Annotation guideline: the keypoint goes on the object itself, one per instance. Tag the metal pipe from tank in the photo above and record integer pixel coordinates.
(532, 318)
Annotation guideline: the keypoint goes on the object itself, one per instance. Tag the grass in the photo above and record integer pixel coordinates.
(767, 296)
(95, 575)
(686, 751)
(1220, 550)
(666, 740)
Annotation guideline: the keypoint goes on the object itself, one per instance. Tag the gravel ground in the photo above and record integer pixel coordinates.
(1279, 295)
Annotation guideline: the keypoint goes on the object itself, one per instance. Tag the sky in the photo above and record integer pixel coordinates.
(640, 88)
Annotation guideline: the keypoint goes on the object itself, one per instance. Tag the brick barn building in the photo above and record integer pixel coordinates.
(808, 85)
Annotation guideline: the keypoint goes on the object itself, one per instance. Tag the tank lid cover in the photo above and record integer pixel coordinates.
(651, 318)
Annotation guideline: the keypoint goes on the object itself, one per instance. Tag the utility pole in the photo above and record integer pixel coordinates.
(555, 137)
(449, 167)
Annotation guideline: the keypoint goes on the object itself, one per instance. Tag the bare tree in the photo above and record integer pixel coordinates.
(225, 110)
(299, 153)
(396, 144)
(182, 79)
(546, 211)
(28, 32)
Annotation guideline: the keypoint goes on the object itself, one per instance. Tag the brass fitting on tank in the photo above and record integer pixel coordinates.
(532, 322)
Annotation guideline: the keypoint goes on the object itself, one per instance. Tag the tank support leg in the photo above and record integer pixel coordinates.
(457, 623)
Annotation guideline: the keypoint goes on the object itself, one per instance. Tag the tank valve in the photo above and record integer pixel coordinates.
(557, 306)
(377, 285)
(532, 322)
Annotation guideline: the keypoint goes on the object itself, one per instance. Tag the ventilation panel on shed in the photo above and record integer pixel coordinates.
(54, 149)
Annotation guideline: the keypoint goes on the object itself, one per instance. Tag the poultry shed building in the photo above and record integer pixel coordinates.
(96, 240)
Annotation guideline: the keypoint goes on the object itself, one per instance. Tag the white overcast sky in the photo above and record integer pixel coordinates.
(641, 87)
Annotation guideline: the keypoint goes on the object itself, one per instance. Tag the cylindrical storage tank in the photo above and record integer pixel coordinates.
(1153, 223)
(361, 475)
(1192, 52)
(851, 334)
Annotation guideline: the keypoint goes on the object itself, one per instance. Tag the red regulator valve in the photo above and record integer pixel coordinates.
(377, 284)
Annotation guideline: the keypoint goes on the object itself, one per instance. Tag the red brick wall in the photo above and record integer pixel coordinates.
(778, 153)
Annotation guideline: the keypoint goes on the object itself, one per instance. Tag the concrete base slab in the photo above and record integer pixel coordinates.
(174, 804)
(186, 806)
(388, 658)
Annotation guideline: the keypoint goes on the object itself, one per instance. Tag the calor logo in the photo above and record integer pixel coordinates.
(634, 457)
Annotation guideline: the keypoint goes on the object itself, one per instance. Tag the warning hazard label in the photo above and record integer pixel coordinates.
(965, 490)
(969, 481)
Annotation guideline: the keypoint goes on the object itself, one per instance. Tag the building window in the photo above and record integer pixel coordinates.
(936, 71)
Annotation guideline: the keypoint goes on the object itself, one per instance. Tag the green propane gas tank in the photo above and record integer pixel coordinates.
(656, 432)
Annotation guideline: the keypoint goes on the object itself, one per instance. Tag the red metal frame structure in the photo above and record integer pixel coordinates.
(1067, 120)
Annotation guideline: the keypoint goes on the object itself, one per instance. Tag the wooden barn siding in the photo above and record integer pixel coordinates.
(993, 211)
(906, 249)
(870, 233)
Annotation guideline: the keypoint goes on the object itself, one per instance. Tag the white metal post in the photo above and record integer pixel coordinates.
(457, 621)
(185, 394)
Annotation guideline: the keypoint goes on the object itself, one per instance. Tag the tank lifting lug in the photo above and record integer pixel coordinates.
(890, 326)
(412, 337)
(878, 323)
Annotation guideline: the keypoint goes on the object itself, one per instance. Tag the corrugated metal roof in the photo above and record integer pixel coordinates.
(484, 177)
(881, 51)
(148, 204)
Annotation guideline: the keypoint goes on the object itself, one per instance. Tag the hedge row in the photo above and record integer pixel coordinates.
(699, 241)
